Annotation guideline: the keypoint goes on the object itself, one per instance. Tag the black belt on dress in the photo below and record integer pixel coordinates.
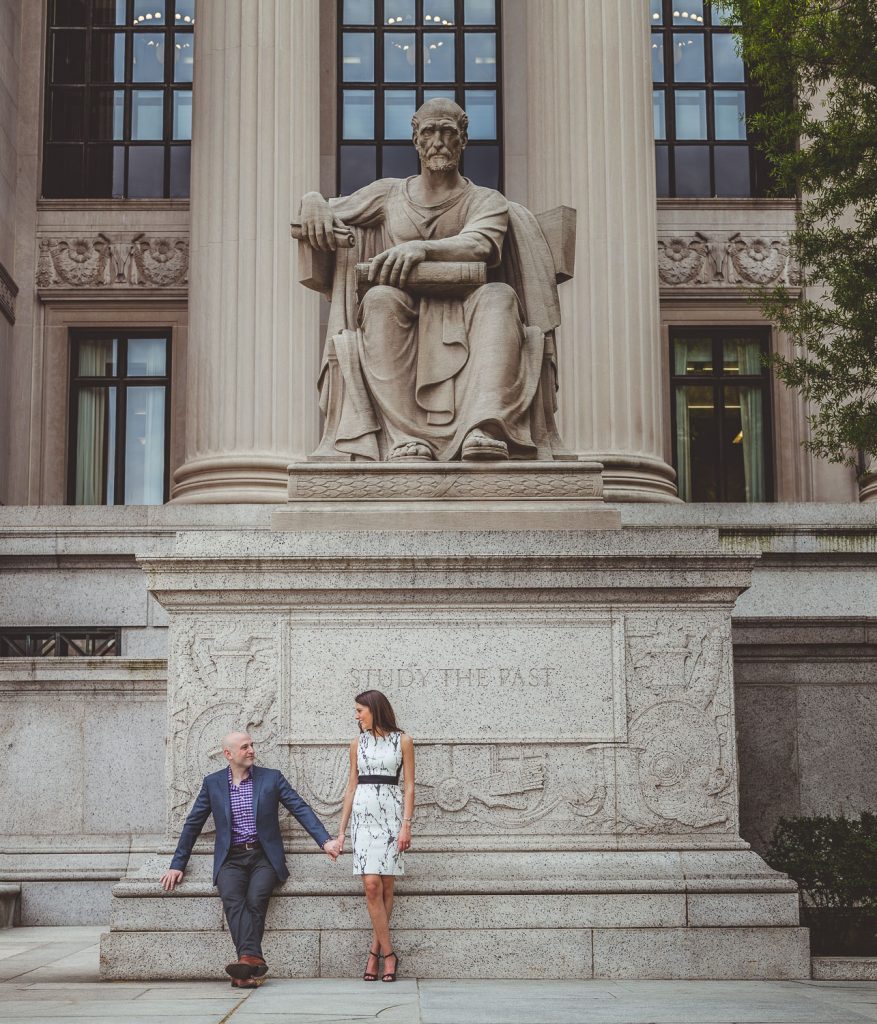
(378, 780)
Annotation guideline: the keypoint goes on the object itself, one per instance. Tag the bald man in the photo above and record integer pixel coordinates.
(248, 857)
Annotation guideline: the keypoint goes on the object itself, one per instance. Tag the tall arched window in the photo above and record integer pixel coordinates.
(701, 99)
(395, 54)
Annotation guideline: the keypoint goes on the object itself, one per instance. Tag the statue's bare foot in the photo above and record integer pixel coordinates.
(480, 446)
(411, 451)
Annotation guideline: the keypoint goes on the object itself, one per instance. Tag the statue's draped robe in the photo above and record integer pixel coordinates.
(431, 368)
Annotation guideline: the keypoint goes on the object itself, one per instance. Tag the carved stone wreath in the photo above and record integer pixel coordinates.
(104, 262)
(735, 260)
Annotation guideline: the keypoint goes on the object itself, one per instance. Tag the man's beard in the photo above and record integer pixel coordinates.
(440, 161)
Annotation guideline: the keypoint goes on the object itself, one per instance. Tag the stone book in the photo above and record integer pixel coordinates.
(432, 278)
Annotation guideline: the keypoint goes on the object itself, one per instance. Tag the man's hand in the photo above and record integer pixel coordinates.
(317, 222)
(332, 849)
(170, 879)
(392, 266)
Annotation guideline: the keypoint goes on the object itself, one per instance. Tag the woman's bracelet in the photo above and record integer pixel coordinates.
(409, 820)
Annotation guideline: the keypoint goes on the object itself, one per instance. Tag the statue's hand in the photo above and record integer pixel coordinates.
(317, 222)
(394, 265)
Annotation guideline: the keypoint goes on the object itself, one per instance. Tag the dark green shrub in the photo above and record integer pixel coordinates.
(834, 861)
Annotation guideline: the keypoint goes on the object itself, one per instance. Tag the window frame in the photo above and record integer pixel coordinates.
(121, 382)
(61, 636)
(718, 335)
(378, 87)
(90, 143)
(758, 170)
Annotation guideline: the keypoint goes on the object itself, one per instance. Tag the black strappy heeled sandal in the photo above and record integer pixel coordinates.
(368, 976)
(390, 975)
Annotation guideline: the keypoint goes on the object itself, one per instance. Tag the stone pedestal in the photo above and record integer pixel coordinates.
(570, 696)
(446, 496)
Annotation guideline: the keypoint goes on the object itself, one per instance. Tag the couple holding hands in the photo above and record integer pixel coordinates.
(249, 860)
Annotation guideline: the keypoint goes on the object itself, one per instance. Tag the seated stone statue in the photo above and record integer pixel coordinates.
(415, 371)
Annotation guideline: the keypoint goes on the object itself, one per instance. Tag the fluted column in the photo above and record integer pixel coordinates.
(253, 332)
(591, 147)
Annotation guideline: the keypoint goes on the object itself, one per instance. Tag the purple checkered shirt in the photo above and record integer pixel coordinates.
(243, 824)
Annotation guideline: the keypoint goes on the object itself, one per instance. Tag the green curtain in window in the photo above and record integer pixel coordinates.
(681, 351)
(91, 426)
(752, 422)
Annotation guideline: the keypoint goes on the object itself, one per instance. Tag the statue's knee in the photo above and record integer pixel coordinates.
(499, 296)
(382, 298)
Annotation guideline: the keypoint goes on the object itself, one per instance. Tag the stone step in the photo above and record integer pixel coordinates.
(161, 912)
(467, 952)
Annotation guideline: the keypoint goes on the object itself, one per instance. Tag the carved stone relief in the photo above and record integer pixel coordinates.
(679, 773)
(223, 673)
(103, 262)
(734, 260)
(8, 292)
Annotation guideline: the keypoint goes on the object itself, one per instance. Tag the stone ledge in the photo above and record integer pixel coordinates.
(844, 968)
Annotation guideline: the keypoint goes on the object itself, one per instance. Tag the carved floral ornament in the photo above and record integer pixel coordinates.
(102, 262)
(735, 260)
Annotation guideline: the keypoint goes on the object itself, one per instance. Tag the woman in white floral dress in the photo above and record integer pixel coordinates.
(380, 812)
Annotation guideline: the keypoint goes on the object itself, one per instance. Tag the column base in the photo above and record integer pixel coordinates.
(868, 487)
(635, 477)
(232, 480)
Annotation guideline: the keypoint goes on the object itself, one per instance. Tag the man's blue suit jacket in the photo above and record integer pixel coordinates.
(270, 789)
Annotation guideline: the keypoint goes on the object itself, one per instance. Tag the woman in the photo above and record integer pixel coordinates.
(381, 817)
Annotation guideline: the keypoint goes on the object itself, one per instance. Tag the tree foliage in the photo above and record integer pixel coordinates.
(816, 62)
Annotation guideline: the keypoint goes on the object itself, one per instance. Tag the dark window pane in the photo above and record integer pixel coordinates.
(145, 172)
(399, 106)
(438, 57)
(67, 115)
(147, 114)
(400, 55)
(357, 167)
(481, 165)
(148, 57)
(109, 12)
(693, 357)
(358, 114)
(479, 12)
(659, 113)
(688, 65)
(657, 57)
(399, 162)
(399, 12)
(730, 114)
(688, 13)
(68, 56)
(690, 114)
(480, 105)
(438, 12)
(358, 57)
(69, 12)
(63, 171)
(662, 170)
(182, 115)
(181, 158)
(480, 63)
(743, 445)
(692, 170)
(108, 56)
(696, 444)
(107, 114)
(439, 94)
(184, 56)
(149, 13)
(184, 15)
(732, 171)
(105, 172)
(727, 63)
(358, 12)
(742, 356)
(656, 12)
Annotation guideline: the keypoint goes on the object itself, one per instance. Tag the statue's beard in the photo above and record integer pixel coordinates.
(443, 161)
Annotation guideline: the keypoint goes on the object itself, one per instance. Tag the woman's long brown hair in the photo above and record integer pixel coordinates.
(383, 716)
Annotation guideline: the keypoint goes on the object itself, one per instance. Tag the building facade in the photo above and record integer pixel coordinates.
(158, 359)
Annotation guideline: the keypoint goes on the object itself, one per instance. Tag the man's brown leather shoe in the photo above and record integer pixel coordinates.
(245, 983)
(260, 968)
(240, 969)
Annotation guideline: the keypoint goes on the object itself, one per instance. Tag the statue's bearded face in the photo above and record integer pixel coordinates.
(439, 143)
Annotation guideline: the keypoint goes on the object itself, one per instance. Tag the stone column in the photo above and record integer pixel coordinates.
(253, 349)
(591, 147)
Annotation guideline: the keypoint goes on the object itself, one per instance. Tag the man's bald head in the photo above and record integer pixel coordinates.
(441, 109)
(232, 740)
(239, 751)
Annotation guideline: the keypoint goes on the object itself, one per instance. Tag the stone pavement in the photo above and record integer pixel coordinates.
(50, 976)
